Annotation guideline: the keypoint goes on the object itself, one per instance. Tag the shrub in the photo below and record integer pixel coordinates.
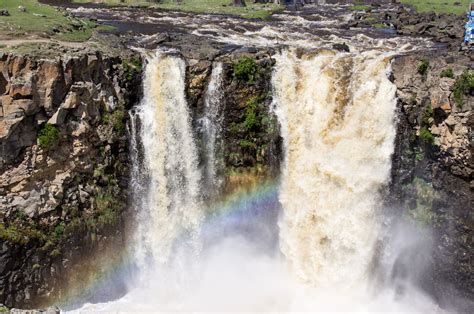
(48, 136)
(132, 67)
(447, 73)
(463, 84)
(247, 144)
(423, 67)
(118, 117)
(426, 136)
(251, 115)
(245, 70)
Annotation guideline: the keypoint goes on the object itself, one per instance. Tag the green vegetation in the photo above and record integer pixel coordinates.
(132, 67)
(423, 67)
(439, 6)
(48, 137)
(117, 119)
(427, 118)
(464, 84)
(251, 115)
(426, 136)
(42, 20)
(20, 232)
(360, 6)
(425, 196)
(247, 144)
(108, 209)
(447, 73)
(252, 10)
(246, 70)
(418, 154)
(4, 309)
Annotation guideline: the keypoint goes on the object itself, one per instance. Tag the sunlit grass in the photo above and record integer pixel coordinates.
(252, 10)
(439, 6)
(43, 20)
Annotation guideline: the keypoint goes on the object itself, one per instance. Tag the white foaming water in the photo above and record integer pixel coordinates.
(172, 207)
(337, 117)
(212, 125)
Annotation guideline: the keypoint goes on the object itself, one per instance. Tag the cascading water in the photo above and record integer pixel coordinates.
(172, 205)
(337, 117)
(336, 112)
(211, 124)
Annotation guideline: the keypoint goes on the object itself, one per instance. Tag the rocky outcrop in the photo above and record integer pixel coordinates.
(433, 166)
(63, 169)
(252, 146)
(442, 28)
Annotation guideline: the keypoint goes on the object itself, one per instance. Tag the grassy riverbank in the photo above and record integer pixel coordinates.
(439, 6)
(252, 10)
(28, 18)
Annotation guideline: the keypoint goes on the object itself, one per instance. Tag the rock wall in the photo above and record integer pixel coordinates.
(63, 169)
(64, 161)
(433, 166)
(251, 144)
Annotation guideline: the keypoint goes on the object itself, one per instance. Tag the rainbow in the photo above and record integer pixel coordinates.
(235, 210)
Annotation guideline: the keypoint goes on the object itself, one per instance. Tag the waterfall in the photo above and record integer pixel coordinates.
(171, 201)
(211, 129)
(337, 119)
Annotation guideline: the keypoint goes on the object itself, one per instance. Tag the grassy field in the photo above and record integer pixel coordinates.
(41, 20)
(439, 6)
(253, 10)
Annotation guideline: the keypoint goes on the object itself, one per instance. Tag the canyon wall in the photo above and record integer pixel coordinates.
(63, 165)
(65, 168)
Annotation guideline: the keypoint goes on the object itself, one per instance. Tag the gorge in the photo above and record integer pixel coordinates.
(253, 170)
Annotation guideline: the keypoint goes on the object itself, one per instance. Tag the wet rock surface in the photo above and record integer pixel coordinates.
(432, 168)
(63, 161)
(53, 195)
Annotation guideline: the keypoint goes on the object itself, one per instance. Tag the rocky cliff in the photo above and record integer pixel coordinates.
(433, 167)
(63, 168)
(64, 160)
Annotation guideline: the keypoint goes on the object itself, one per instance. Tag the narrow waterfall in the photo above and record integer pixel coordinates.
(337, 119)
(211, 124)
(171, 205)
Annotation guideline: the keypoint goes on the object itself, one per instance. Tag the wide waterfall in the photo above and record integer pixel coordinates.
(337, 117)
(172, 205)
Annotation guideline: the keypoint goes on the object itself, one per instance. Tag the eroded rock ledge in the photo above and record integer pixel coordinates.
(63, 165)
(64, 159)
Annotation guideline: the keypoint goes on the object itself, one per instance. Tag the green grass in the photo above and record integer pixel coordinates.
(252, 10)
(42, 20)
(438, 6)
(360, 7)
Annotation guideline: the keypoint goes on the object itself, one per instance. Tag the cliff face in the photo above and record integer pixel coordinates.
(63, 161)
(432, 169)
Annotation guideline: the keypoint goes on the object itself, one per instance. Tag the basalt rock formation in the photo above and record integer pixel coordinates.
(432, 165)
(64, 158)
(63, 165)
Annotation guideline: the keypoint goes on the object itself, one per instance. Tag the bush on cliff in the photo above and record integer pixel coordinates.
(447, 73)
(245, 70)
(464, 84)
(423, 67)
(48, 136)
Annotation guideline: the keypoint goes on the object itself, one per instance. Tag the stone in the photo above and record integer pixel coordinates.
(21, 8)
(7, 126)
(58, 117)
(4, 12)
